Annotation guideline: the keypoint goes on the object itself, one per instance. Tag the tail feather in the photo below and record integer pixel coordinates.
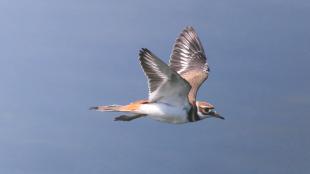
(132, 107)
(110, 108)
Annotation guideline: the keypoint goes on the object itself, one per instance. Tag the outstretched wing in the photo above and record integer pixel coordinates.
(165, 85)
(189, 60)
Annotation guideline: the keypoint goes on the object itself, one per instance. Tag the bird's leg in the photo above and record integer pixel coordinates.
(128, 118)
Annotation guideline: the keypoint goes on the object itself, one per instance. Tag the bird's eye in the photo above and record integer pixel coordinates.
(206, 110)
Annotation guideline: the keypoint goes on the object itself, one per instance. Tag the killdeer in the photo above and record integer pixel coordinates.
(172, 88)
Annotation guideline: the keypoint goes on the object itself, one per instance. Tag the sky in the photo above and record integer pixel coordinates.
(58, 58)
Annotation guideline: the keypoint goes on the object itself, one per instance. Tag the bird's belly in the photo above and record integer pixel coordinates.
(165, 113)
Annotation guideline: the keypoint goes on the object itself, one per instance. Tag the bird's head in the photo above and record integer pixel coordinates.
(206, 110)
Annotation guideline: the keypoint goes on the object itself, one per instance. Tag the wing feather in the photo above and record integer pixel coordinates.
(165, 85)
(189, 60)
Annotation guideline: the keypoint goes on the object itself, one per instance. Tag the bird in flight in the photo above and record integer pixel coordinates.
(172, 88)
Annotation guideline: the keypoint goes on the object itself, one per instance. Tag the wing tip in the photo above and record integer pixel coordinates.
(189, 29)
(188, 39)
(143, 52)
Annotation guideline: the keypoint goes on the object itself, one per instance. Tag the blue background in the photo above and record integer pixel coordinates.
(58, 58)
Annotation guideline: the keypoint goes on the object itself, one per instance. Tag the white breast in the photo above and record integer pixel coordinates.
(165, 113)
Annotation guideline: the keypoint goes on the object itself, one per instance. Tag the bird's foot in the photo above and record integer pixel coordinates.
(128, 118)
